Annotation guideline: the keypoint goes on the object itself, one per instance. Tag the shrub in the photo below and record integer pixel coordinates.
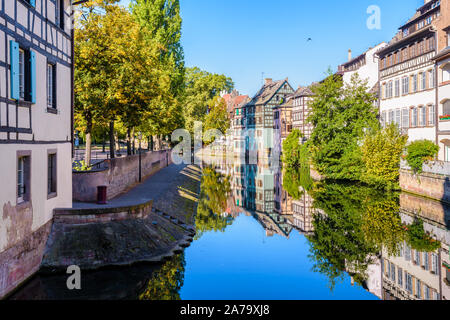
(295, 154)
(381, 154)
(81, 166)
(420, 152)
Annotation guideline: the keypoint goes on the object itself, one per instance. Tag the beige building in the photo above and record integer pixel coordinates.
(443, 97)
(301, 111)
(407, 72)
(35, 130)
(303, 213)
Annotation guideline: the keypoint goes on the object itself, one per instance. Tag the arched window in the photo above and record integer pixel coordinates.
(446, 73)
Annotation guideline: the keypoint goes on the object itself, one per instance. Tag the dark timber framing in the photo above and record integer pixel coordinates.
(46, 38)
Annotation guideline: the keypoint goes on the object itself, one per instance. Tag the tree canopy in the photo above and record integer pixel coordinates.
(340, 115)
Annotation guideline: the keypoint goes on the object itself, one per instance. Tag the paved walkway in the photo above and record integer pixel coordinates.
(155, 188)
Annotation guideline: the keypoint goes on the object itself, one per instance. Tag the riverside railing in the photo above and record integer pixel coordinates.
(434, 167)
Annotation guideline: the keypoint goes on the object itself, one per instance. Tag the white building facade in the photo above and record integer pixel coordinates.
(443, 100)
(408, 74)
(365, 65)
(35, 130)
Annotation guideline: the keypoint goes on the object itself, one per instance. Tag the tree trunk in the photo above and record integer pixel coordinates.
(103, 143)
(116, 140)
(87, 154)
(111, 140)
(129, 141)
(133, 139)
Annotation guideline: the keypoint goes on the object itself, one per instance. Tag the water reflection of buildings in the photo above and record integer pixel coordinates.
(302, 210)
(415, 275)
(258, 191)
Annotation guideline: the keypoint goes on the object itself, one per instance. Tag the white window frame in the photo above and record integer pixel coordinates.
(20, 179)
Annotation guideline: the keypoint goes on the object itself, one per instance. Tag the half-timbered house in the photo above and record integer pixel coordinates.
(301, 111)
(35, 130)
(260, 115)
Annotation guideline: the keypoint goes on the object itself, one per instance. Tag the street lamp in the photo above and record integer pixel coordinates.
(140, 157)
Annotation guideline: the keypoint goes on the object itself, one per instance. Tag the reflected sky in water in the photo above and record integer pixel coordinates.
(242, 263)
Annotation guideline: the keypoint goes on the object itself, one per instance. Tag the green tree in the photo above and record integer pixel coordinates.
(340, 116)
(381, 154)
(161, 23)
(201, 89)
(93, 70)
(217, 118)
(295, 154)
(162, 20)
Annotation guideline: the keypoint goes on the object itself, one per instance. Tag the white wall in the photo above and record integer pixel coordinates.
(369, 71)
(49, 131)
(420, 98)
(42, 208)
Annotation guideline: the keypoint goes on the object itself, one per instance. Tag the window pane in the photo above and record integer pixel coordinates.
(431, 115)
(405, 118)
(22, 74)
(446, 107)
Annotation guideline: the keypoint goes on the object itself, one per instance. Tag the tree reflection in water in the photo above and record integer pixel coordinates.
(215, 189)
(165, 284)
(297, 181)
(352, 225)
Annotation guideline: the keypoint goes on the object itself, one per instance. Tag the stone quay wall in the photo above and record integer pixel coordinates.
(21, 261)
(95, 236)
(120, 176)
(430, 185)
(103, 215)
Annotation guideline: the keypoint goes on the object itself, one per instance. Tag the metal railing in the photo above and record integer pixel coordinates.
(435, 167)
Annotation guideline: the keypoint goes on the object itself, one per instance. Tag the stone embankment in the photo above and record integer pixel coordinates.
(120, 175)
(150, 223)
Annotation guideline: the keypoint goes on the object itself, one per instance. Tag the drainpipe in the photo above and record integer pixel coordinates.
(72, 81)
(436, 88)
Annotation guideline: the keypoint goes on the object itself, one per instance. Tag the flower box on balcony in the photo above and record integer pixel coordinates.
(444, 118)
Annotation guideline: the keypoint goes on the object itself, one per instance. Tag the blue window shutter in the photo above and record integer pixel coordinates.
(14, 61)
(33, 3)
(33, 76)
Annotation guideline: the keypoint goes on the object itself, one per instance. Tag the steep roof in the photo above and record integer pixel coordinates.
(303, 92)
(235, 102)
(289, 103)
(266, 93)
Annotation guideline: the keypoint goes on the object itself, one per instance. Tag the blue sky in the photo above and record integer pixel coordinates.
(244, 38)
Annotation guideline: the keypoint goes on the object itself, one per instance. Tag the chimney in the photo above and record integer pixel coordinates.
(268, 81)
(349, 54)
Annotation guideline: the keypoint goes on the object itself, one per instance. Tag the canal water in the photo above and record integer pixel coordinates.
(280, 236)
